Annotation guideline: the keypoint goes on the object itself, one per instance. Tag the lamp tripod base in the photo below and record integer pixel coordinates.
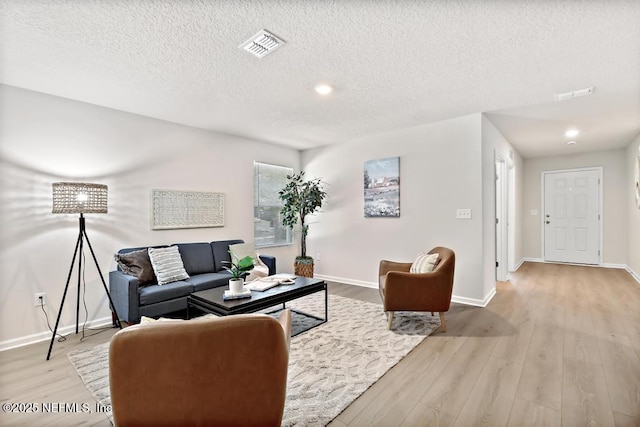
(82, 236)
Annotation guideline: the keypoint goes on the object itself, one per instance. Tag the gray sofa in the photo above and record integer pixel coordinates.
(203, 263)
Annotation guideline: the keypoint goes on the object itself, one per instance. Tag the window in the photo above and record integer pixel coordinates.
(268, 230)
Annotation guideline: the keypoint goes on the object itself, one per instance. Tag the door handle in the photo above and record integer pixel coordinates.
(548, 222)
(547, 215)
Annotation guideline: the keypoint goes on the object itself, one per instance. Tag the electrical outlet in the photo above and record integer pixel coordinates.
(40, 299)
(317, 256)
(463, 214)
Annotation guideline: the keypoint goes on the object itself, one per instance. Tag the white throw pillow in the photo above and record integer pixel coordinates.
(242, 250)
(257, 272)
(424, 263)
(167, 264)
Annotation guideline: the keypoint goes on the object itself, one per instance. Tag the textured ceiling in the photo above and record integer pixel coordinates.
(394, 64)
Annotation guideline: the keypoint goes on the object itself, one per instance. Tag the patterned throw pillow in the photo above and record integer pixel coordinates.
(138, 264)
(167, 264)
(424, 263)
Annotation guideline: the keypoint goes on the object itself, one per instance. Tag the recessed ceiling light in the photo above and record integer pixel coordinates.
(571, 133)
(571, 143)
(323, 89)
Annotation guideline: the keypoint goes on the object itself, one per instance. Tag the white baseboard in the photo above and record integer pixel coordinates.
(540, 260)
(475, 302)
(610, 265)
(633, 273)
(46, 336)
(525, 259)
(518, 265)
(347, 281)
(461, 300)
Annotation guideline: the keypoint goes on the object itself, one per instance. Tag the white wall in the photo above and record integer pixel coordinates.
(440, 171)
(46, 139)
(633, 232)
(615, 210)
(495, 145)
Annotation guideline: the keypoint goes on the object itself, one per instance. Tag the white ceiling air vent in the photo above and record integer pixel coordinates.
(573, 94)
(262, 44)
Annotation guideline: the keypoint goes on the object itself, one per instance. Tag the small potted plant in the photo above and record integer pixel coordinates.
(301, 198)
(238, 269)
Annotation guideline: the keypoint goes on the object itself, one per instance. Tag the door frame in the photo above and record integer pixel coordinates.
(511, 213)
(598, 169)
(502, 195)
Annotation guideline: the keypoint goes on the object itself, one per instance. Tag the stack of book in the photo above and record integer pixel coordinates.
(228, 295)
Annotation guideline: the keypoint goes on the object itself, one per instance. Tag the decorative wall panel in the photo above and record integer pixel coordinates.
(186, 209)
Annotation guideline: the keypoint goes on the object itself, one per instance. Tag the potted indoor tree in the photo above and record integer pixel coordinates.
(238, 269)
(301, 198)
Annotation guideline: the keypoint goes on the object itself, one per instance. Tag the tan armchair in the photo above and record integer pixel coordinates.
(404, 291)
(229, 371)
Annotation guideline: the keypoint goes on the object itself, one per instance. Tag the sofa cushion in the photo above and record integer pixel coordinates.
(156, 293)
(167, 264)
(204, 281)
(220, 252)
(197, 258)
(138, 264)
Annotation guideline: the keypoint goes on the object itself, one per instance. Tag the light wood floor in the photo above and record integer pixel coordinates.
(558, 345)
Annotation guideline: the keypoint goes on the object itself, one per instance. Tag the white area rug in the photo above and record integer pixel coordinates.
(329, 366)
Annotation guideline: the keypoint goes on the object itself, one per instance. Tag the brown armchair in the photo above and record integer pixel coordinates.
(404, 291)
(229, 371)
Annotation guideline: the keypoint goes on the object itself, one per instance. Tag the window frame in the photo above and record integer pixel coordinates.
(275, 224)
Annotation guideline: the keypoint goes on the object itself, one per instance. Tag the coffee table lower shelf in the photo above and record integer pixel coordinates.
(211, 301)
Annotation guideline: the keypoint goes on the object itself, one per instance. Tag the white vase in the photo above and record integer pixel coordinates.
(235, 285)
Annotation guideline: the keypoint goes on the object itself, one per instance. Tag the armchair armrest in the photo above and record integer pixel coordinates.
(285, 322)
(387, 266)
(269, 261)
(124, 294)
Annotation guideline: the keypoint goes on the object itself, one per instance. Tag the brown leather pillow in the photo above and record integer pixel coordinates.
(137, 263)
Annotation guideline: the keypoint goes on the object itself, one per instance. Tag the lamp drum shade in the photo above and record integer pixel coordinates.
(79, 197)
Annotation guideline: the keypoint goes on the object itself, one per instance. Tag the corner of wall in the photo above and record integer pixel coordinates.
(633, 216)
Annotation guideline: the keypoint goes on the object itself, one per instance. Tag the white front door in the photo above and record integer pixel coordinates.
(571, 216)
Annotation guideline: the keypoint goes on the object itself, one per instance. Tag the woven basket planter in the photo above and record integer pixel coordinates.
(303, 268)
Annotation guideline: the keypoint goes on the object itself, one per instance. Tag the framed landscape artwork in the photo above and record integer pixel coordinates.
(382, 187)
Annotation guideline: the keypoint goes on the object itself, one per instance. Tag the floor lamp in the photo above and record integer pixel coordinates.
(80, 198)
